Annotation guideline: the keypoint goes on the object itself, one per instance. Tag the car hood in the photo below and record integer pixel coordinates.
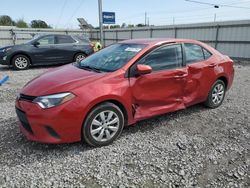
(4, 47)
(62, 79)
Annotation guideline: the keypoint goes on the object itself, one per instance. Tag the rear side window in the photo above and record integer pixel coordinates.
(194, 53)
(166, 57)
(82, 38)
(64, 39)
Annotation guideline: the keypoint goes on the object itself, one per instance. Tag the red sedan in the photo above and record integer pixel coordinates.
(94, 99)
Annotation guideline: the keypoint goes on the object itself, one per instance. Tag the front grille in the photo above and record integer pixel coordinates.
(24, 121)
(26, 97)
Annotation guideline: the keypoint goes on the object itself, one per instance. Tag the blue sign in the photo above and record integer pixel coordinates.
(108, 17)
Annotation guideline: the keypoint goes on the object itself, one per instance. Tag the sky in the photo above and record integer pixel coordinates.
(64, 13)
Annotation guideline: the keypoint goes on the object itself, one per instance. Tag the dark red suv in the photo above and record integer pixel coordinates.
(126, 82)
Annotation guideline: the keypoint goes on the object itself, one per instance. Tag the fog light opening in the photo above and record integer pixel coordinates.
(52, 132)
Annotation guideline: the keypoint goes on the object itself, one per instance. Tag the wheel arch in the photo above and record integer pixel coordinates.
(224, 79)
(20, 53)
(111, 100)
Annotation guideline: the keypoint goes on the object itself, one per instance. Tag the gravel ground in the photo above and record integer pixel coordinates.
(197, 147)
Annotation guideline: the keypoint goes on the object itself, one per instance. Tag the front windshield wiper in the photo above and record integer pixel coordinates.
(87, 67)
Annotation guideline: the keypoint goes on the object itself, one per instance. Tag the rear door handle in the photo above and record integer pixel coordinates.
(180, 76)
(212, 65)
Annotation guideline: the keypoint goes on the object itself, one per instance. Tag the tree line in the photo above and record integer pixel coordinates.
(124, 25)
(6, 20)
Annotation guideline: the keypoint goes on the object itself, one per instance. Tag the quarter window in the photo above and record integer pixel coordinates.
(207, 54)
(167, 57)
(64, 39)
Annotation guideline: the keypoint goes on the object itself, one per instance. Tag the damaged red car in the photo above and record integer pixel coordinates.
(94, 99)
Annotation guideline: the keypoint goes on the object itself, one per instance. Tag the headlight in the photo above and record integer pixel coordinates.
(6, 49)
(53, 100)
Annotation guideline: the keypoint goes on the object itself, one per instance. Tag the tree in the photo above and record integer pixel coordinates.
(114, 26)
(140, 25)
(21, 23)
(39, 24)
(6, 20)
(130, 25)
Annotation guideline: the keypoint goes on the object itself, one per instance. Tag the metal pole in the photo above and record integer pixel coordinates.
(216, 36)
(215, 17)
(145, 18)
(100, 21)
(175, 32)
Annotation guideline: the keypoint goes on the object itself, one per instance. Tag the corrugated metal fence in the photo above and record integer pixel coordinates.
(231, 38)
(13, 35)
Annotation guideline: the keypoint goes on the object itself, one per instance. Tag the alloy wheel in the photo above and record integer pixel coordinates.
(80, 57)
(104, 126)
(21, 62)
(218, 93)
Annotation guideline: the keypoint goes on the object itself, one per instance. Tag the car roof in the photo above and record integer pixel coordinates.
(154, 41)
(52, 34)
(159, 41)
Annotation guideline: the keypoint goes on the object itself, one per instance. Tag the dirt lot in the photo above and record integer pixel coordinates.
(194, 147)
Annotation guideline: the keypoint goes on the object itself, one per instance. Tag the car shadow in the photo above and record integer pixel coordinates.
(149, 124)
(15, 146)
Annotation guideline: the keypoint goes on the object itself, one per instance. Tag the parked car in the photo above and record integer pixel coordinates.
(45, 50)
(124, 83)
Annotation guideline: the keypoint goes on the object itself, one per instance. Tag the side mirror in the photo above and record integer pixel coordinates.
(143, 69)
(36, 43)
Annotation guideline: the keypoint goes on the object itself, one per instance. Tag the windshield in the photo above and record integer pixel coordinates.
(31, 40)
(111, 58)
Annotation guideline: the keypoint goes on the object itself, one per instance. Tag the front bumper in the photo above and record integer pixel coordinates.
(55, 125)
(4, 60)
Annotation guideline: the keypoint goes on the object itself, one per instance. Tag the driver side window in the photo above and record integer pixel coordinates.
(163, 58)
(47, 40)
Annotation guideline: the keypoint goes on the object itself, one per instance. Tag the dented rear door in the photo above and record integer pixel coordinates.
(200, 67)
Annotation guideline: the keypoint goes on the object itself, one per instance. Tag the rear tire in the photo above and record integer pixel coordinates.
(216, 94)
(103, 125)
(79, 56)
(20, 62)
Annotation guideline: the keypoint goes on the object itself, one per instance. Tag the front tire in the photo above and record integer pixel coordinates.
(79, 56)
(103, 125)
(216, 94)
(20, 62)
